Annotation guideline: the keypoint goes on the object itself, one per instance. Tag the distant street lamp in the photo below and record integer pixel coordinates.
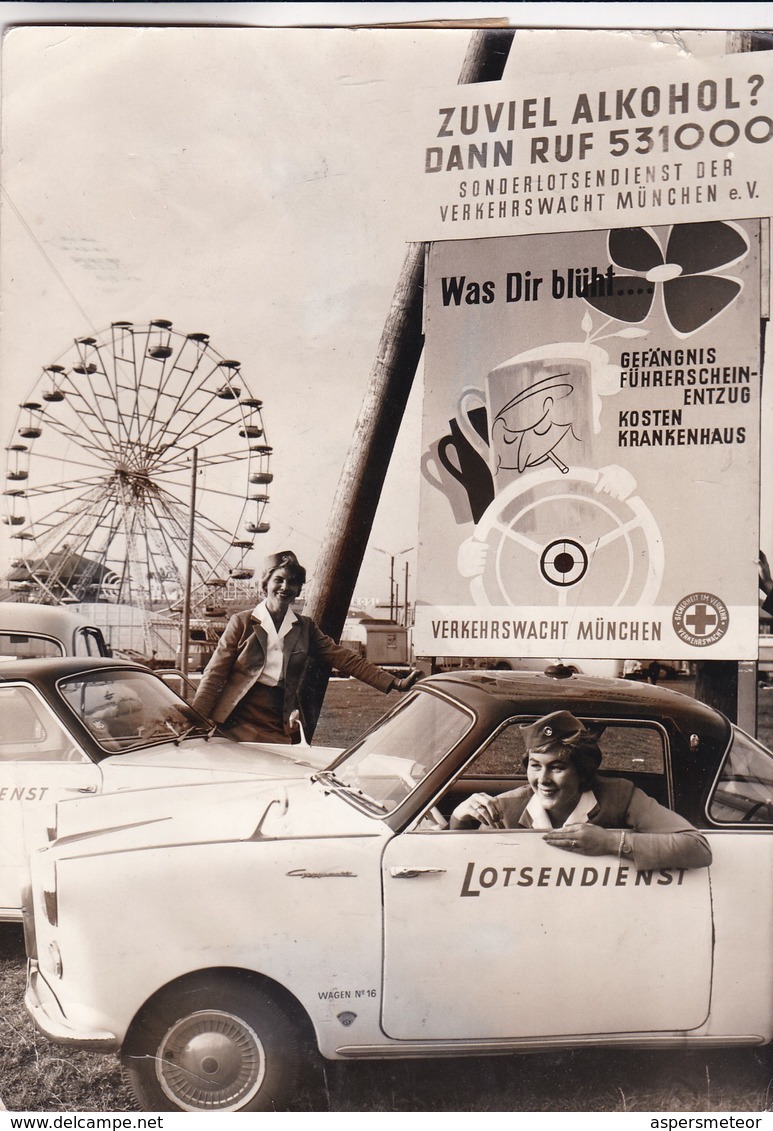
(394, 595)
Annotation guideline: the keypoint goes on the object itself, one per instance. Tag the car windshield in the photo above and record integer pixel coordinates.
(125, 710)
(401, 750)
(744, 789)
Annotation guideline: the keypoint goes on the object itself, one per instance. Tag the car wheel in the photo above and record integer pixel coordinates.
(216, 1044)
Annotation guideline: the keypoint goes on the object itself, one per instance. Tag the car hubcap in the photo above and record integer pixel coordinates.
(210, 1061)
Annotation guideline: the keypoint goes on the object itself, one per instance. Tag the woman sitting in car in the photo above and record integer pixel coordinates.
(582, 812)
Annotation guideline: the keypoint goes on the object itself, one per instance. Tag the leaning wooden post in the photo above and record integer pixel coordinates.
(329, 594)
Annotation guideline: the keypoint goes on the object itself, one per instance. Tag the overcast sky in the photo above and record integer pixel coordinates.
(252, 183)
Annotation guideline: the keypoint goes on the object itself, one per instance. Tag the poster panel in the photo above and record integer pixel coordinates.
(594, 315)
(618, 146)
(591, 449)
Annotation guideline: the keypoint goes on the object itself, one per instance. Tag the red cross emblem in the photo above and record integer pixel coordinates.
(701, 619)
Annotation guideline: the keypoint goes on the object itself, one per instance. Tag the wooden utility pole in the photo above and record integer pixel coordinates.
(329, 594)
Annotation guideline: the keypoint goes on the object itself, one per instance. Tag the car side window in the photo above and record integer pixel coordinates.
(23, 646)
(502, 757)
(638, 752)
(636, 747)
(743, 791)
(83, 645)
(635, 750)
(29, 732)
(88, 642)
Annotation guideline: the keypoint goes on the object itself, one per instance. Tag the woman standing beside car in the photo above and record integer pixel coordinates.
(250, 686)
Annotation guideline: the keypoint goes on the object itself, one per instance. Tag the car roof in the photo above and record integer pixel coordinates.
(48, 670)
(537, 693)
(53, 620)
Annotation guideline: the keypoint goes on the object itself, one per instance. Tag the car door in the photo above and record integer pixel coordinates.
(740, 812)
(495, 935)
(39, 765)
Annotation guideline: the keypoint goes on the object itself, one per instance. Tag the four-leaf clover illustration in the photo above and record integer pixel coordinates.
(685, 271)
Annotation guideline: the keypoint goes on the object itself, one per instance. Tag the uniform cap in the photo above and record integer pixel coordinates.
(558, 729)
(283, 558)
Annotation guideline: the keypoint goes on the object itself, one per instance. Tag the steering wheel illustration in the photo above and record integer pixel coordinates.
(550, 537)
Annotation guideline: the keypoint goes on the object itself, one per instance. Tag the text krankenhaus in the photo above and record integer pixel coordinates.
(699, 381)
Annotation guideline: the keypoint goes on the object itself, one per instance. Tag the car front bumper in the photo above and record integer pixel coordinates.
(45, 1011)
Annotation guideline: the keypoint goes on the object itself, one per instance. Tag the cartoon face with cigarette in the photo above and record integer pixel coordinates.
(526, 431)
(543, 405)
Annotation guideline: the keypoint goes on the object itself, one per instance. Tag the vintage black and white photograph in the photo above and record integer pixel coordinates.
(386, 611)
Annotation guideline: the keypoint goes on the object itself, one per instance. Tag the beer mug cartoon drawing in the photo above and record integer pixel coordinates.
(557, 522)
(459, 471)
(544, 406)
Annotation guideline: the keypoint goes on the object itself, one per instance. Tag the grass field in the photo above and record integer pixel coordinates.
(36, 1075)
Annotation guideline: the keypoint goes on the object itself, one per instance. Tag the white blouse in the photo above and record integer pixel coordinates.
(272, 669)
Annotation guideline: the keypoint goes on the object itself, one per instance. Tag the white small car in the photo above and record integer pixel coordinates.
(214, 935)
(77, 727)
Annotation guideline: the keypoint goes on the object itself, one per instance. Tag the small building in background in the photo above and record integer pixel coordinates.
(381, 642)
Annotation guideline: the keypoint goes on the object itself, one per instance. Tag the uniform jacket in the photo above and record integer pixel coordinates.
(240, 656)
(659, 837)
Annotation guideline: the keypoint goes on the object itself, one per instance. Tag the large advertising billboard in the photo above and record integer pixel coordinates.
(594, 314)
(591, 448)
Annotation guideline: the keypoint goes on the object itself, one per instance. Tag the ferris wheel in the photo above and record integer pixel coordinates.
(99, 484)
